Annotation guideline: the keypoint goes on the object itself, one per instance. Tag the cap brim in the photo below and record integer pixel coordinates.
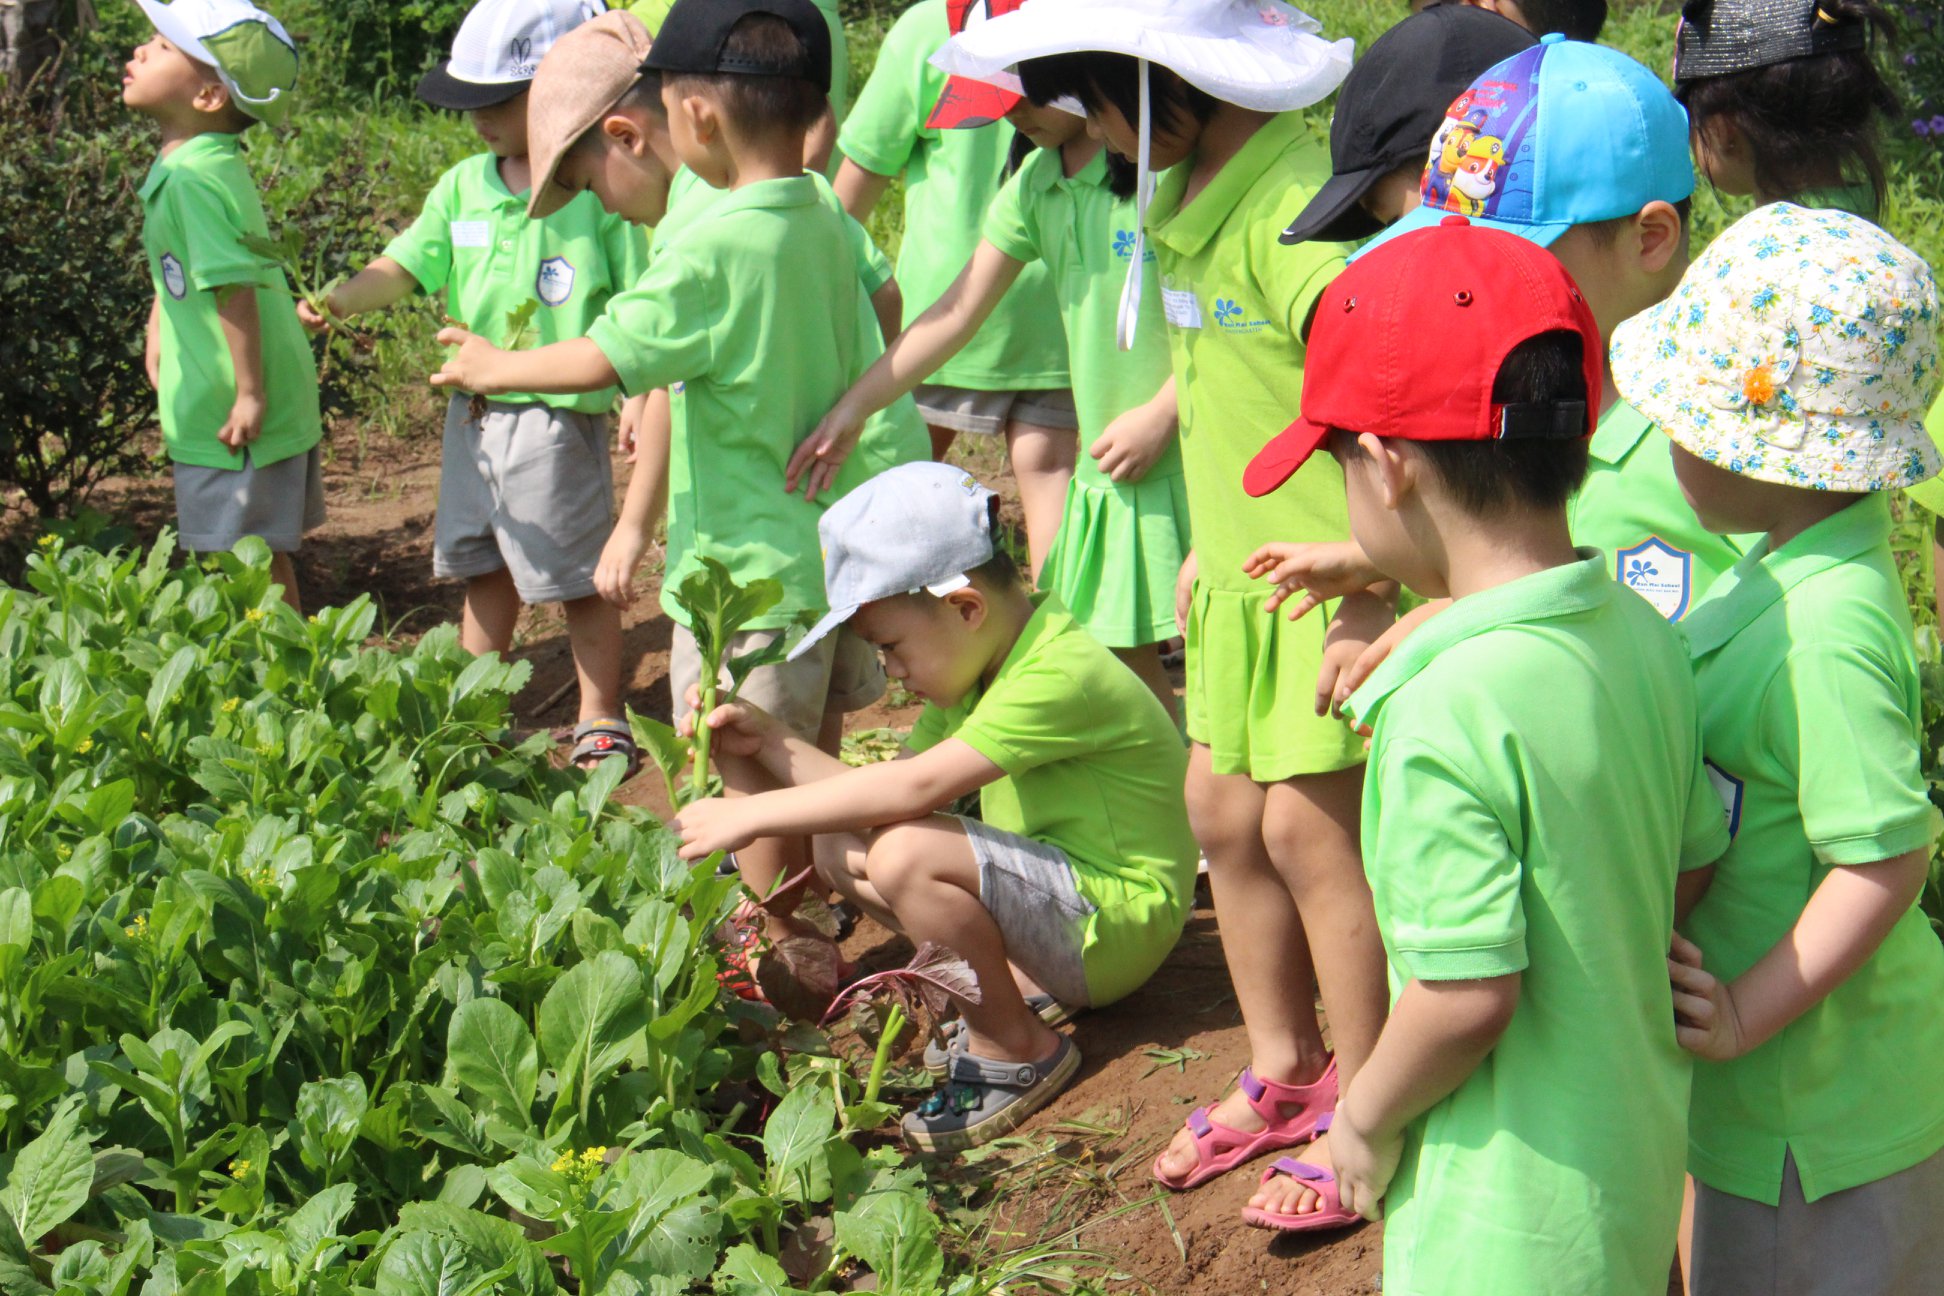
(1278, 461)
(1334, 214)
(441, 89)
(1425, 217)
(966, 103)
(831, 620)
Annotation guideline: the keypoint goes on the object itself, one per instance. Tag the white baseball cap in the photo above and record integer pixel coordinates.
(249, 49)
(499, 48)
(919, 526)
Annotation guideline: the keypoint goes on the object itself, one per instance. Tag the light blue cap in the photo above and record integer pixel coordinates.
(1565, 133)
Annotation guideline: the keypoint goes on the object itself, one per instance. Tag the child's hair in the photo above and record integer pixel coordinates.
(1580, 20)
(759, 104)
(1097, 78)
(1120, 172)
(1801, 114)
(1487, 477)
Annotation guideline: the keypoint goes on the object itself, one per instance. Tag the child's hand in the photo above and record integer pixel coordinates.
(740, 728)
(471, 367)
(1360, 621)
(620, 559)
(313, 319)
(714, 824)
(1319, 571)
(1705, 1020)
(1386, 643)
(1364, 1164)
(821, 456)
(1185, 591)
(1134, 442)
(626, 436)
(245, 422)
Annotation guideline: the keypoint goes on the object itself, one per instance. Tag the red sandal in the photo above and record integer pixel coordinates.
(1219, 1149)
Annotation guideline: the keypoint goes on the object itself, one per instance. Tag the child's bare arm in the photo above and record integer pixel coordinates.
(236, 307)
(152, 344)
(641, 508)
(1436, 1036)
(887, 303)
(858, 189)
(1848, 916)
(483, 369)
(1135, 441)
(376, 286)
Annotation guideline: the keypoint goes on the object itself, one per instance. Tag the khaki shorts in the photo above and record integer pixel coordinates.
(527, 488)
(840, 673)
(986, 413)
(216, 507)
(1028, 887)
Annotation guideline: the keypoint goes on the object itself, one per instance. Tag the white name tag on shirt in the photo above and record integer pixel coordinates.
(471, 234)
(1181, 308)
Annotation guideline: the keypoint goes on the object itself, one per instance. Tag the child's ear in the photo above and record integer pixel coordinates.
(621, 130)
(214, 97)
(1659, 235)
(968, 605)
(1393, 467)
(702, 117)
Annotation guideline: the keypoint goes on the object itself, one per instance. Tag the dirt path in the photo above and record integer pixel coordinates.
(1080, 1169)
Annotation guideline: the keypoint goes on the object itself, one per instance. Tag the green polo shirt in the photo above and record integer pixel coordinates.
(1236, 301)
(690, 196)
(1631, 508)
(1094, 766)
(1931, 493)
(758, 314)
(474, 240)
(949, 178)
(1084, 236)
(1813, 718)
(198, 204)
(1535, 784)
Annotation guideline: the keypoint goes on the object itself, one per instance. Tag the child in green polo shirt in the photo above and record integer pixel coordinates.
(526, 495)
(1536, 785)
(232, 370)
(1011, 378)
(757, 313)
(1079, 870)
(1792, 369)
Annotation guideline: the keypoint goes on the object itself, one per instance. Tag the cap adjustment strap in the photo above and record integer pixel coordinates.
(1542, 421)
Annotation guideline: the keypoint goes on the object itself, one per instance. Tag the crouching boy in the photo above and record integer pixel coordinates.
(1535, 785)
(1081, 868)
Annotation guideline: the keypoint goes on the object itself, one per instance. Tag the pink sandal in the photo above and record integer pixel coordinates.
(1320, 1181)
(1219, 1149)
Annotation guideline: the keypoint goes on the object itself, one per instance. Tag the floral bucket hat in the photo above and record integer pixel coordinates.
(1801, 348)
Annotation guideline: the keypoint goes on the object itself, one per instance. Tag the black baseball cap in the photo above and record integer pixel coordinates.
(693, 34)
(1391, 105)
(1722, 37)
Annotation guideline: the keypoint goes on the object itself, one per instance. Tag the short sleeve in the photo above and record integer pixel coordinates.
(1030, 717)
(1704, 830)
(873, 267)
(1010, 223)
(1839, 715)
(213, 231)
(658, 332)
(886, 121)
(626, 246)
(1299, 284)
(425, 248)
(1445, 877)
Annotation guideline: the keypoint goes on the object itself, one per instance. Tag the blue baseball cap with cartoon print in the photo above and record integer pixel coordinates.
(1565, 133)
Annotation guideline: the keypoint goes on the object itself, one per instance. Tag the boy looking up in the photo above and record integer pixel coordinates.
(1081, 869)
(232, 371)
(756, 311)
(1535, 785)
(525, 490)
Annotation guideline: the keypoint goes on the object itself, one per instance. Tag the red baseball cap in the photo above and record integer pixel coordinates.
(1408, 340)
(965, 102)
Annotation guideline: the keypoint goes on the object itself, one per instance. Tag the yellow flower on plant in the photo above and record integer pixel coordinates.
(137, 929)
(593, 1156)
(83, 747)
(239, 1169)
(254, 614)
(230, 704)
(564, 1162)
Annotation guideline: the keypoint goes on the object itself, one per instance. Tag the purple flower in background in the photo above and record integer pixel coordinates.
(1937, 124)
(1910, 60)
(1920, 128)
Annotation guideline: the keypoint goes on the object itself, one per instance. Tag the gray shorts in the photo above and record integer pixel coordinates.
(986, 413)
(841, 672)
(1028, 888)
(1884, 1238)
(529, 489)
(216, 507)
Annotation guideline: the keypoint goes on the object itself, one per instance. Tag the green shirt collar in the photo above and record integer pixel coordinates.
(1187, 230)
(1558, 591)
(1762, 577)
(496, 184)
(209, 144)
(1619, 431)
(785, 191)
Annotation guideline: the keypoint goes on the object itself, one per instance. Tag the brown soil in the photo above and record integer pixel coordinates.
(1094, 1190)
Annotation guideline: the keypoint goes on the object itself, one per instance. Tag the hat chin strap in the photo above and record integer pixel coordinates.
(1130, 300)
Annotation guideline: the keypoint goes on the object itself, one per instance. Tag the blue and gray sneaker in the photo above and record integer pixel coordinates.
(983, 1099)
(938, 1055)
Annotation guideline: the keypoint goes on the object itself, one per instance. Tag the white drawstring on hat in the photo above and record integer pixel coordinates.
(1130, 300)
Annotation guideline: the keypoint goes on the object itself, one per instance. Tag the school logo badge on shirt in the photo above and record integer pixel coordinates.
(173, 277)
(1659, 573)
(1231, 318)
(555, 283)
(1729, 789)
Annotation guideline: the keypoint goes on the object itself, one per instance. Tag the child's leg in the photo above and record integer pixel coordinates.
(283, 570)
(594, 633)
(1263, 941)
(1310, 826)
(1042, 462)
(1145, 662)
(491, 610)
(941, 439)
